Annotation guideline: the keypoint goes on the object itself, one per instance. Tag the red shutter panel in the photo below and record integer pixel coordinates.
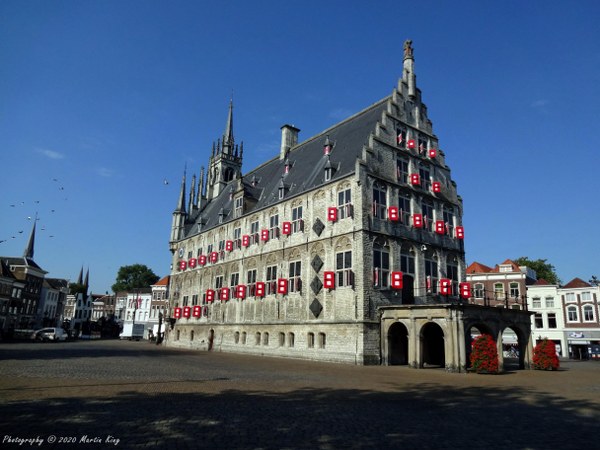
(393, 213)
(240, 291)
(245, 240)
(282, 286)
(436, 187)
(177, 313)
(410, 143)
(432, 153)
(440, 227)
(260, 289)
(197, 311)
(264, 235)
(229, 245)
(329, 280)
(332, 214)
(465, 290)
(182, 265)
(192, 263)
(202, 260)
(415, 179)
(224, 294)
(214, 257)
(187, 311)
(397, 280)
(286, 228)
(210, 295)
(418, 220)
(460, 233)
(445, 286)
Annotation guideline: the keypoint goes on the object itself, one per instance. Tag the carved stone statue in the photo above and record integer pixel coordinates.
(408, 50)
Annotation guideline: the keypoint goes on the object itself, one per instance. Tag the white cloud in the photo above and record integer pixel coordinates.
(50, 153)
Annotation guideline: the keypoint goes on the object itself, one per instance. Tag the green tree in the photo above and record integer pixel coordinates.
(134, 276)
(542, 267)
(76, 288)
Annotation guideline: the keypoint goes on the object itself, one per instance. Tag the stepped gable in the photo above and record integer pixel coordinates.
(307, 161)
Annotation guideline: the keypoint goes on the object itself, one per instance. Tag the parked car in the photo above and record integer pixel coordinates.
(49, 334)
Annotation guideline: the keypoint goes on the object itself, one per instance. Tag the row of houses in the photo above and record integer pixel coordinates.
(567, 314)
(31, 300)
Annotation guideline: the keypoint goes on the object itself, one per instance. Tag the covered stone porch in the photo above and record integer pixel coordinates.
(422, 336)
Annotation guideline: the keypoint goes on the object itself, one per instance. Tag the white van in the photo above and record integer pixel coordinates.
(49, 334)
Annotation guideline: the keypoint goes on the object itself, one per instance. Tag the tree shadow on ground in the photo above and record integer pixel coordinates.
(418, 416)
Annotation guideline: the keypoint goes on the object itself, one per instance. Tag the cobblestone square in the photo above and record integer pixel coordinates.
(121, 394)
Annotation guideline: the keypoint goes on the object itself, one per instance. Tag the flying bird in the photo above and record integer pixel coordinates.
(165, 182)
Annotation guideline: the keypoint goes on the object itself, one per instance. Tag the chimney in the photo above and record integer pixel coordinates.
(289, 138)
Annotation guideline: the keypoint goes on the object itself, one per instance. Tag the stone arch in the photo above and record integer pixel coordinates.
(512, 347)
(472, 331)
(397, 337)
(432, 345)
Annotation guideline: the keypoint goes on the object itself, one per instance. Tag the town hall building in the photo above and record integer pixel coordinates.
(347, 246)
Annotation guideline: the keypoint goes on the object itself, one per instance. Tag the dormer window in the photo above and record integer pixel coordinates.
(221, 215)
(239, 206)
(281, 189)
(328, 170)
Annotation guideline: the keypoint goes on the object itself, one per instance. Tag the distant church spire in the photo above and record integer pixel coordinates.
(28, 253)
(80, 277)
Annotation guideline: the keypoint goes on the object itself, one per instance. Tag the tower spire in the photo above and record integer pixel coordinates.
(181, 203)
(228, 140)
(28, 253)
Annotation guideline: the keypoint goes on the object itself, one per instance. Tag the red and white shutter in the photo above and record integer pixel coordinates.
(214, 257)
(197, 311)
(396, 282)
(415, 179)
(202, 260)
(436, 187)
(329, 280)
(440, 227)
(286, 228)
(224, 294)
(187, 311)
(177, 313)
(432, 153)
(229, 245)
(332, 214)
(445, 286)
(192, 263)
(282, 286)
(264, 235)
(410, 144)
(182, 265)
(245, 240)
(240, 291)
(460, 232)
(418, 220)
(260, 289)
(465, 290)
(393, 213)
(210, 295)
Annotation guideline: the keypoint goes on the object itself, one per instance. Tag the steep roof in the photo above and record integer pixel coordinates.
(164, 281)
(476, 267)
(307, 161)
(542, 282)
(508, 262)
(576, 283)
(20, 261)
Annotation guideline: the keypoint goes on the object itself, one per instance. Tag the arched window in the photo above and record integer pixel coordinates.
(310, 340)
(291, 339)
(572, 314)
(379, 200)
(381, 264)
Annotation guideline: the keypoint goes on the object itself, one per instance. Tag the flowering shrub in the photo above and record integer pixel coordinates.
(544, 356)
(484, 355)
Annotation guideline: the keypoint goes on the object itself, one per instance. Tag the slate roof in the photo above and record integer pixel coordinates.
(307, 162)
(20, 261)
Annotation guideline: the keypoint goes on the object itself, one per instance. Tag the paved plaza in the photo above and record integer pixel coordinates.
(120, 394)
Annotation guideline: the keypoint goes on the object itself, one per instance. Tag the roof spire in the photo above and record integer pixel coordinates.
(28, 253)
(228, 135)
(80, 277)
(181, 202)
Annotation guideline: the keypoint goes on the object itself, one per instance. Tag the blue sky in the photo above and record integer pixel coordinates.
(100, 101)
